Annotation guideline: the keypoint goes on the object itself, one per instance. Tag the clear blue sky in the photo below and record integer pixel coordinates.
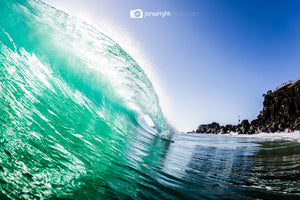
(210, 67)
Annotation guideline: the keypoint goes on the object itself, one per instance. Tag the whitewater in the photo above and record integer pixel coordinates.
(80, 120)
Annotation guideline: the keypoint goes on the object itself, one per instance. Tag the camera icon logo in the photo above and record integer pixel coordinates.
(137, 13)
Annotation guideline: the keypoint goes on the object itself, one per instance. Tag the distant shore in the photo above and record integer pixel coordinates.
(281, 113)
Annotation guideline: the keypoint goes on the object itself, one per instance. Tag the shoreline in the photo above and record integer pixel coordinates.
(280, 113)
(291, 136)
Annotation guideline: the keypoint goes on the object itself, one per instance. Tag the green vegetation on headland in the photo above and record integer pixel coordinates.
(281, 113)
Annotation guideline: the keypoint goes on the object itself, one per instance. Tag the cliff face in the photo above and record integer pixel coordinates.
(281, 112)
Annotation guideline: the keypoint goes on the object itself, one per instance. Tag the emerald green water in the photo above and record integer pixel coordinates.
(72, 101)
(80, 120)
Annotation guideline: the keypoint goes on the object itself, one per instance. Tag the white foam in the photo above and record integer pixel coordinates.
(146, 123)
(127, 41)
(294, 136)
(148, 120)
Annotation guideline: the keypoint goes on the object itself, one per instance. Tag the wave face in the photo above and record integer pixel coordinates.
(79, 119)
(78, 114)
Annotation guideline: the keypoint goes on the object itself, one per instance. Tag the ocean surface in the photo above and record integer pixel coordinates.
(80, 120)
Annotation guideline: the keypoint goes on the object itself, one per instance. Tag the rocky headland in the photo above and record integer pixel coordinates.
(281, 113)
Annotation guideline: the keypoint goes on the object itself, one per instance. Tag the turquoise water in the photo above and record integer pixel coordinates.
(223, 167)
(81, 120)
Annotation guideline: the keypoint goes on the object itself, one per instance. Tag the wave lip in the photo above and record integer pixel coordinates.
(74, 106)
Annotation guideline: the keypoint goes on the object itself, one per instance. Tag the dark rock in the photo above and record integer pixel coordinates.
(202, 128)
(281, 109)
(245, 124)
(214, 127)
(223, 130)
(251, 130)
(234, 127)
(281, 112)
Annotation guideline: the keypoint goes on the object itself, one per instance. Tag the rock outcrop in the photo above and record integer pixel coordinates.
(281, 112)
